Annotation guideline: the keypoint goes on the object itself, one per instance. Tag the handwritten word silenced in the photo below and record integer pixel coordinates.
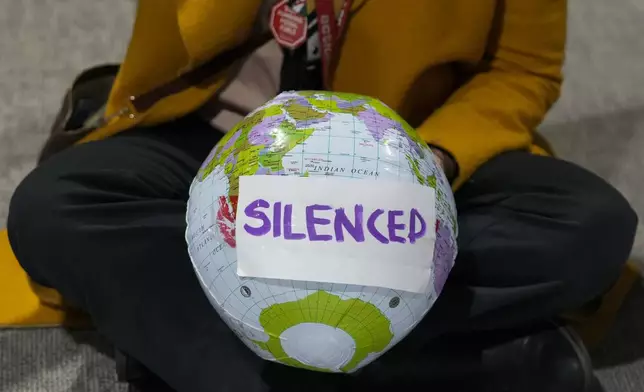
(327, 223)
(336, 230)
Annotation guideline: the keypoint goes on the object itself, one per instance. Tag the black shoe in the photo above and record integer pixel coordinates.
(553, 360)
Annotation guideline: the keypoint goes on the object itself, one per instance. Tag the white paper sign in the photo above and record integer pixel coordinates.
(336, 230)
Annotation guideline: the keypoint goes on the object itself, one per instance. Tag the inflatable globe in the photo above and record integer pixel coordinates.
(319, 326)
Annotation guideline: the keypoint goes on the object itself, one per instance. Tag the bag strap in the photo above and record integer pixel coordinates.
(86, 97)
(199, 75)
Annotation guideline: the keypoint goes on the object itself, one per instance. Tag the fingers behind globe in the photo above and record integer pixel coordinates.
(447, 162)
(440, 156)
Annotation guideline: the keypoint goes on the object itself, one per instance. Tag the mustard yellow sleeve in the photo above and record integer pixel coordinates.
(170, 37)
(499, 108)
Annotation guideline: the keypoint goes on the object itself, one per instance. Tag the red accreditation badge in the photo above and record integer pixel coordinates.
(287, 25)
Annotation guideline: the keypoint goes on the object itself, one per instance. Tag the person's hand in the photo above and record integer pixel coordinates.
(446, 162)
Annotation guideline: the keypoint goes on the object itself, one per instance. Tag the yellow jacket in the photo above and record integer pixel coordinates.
(475, 77)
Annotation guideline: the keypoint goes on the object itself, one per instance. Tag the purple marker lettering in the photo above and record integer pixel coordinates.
(288, 228)
(311, 221)
(277, 219)
(251, 212)
(371, 226)
(341, 220)
(393, 226)
(413, 234)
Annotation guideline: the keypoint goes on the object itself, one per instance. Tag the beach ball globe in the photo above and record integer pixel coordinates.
(315, 325)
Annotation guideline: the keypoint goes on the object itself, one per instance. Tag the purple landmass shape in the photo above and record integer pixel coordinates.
(263, 170)
(230, 159)
(342, 104)
(229, 144)
(302, 101)
(444, 253)
(261, 133)
(209, 158)
(377, 124)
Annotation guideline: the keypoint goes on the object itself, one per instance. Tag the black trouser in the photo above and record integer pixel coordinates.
(104, 224)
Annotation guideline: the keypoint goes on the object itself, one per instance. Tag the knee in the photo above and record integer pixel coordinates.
(32, 220)
(31, 201)
(604, 226)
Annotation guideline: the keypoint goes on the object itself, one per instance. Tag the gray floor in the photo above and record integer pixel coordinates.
(599, 122)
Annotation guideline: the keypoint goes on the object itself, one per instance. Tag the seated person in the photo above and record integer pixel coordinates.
(103, 221)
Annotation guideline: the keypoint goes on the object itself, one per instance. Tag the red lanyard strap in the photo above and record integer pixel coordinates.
(330, 32)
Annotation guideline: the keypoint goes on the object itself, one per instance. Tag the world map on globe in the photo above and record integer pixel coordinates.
(314, 325)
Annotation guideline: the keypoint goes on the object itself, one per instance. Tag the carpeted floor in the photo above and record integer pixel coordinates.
(599, 123)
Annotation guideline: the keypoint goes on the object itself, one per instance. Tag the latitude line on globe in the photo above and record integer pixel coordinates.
(328, 125)
(303, 145)
(350, 307)
(344, 296)
(401, 149)
(315, 290)
(268, 286)
(353, 157)
(295, 295)
(240, 284)
(306, 294)
(257, 292)
(378, 128)
(248, 309)
(232, 291)
(376, 308)
(326, 305)
(406, 305)
(298, 299)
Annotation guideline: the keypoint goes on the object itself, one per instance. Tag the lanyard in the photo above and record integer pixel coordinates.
(288, 23)
(330, 32)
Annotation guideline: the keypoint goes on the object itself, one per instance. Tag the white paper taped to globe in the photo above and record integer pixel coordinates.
(333, 230)
(325, 326)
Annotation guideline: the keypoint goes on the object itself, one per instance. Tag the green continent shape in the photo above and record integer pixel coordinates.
(246, 165)
(247, 155)
(331, 105)
(364, 322)
(286, 138)
(429, 180)
(241, 130)
(302, 113)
